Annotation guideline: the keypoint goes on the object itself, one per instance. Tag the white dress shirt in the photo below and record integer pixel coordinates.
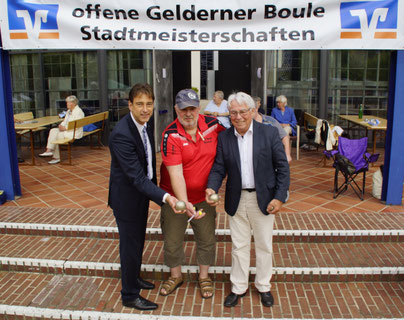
(245, 147)
(149, 151)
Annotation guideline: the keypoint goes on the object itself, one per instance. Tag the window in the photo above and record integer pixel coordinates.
(358, 77)
(26, 82)
(294, 74)
(125, 68)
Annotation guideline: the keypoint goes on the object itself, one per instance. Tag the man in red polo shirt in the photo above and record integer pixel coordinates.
(188, 152)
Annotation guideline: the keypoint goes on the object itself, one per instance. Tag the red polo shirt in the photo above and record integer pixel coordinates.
(196, 157)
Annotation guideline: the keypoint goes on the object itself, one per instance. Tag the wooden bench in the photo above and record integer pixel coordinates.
(310, 121)
(79, 123)
(26, 116)
(23, 116)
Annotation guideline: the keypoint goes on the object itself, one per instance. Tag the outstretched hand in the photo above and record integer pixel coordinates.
(274, 206)
(191, 210)
(199, 214)
(208, 193)
(172, 201)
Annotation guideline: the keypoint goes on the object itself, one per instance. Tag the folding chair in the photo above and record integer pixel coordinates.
(351, 159)
(299, 116)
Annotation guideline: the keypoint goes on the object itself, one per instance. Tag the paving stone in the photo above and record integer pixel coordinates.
(64, 293)
(353, 261)
(333, 258)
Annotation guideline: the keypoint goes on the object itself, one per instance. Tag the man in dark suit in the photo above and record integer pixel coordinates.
(132, 185)
(253, 157)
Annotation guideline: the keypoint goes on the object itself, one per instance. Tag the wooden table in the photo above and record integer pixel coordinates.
(382, 126)
(33, 124)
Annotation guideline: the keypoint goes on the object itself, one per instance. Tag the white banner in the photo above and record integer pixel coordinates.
(202, 25)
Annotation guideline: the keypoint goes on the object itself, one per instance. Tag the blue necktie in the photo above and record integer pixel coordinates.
(146, 151)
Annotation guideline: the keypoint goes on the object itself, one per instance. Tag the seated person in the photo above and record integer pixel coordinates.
(268, 120)
(218, 108)
(285, 115)
(258, 106)
(74, 112)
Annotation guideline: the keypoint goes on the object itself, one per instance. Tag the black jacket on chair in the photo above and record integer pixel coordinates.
(271, 168)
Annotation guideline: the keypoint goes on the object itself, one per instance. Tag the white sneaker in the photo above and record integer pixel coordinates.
(54, 161)
(46, 154)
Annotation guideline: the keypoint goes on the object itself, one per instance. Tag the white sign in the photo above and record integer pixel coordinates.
(202, 25)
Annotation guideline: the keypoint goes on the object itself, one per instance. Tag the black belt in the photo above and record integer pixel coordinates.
(250, 189)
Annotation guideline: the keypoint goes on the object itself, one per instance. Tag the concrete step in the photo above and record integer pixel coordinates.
(221, 234)
(292, 261)
(302, 221)
(54, 296)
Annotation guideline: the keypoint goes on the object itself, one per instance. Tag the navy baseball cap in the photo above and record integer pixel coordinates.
(187, 98)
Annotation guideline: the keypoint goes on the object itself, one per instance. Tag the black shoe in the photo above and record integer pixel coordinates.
(140, 303)
(267, 299)
(232, 299)
(143, 284)
(20, 160)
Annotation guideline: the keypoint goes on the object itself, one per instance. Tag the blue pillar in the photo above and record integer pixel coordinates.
(393, 174)
(9, 174)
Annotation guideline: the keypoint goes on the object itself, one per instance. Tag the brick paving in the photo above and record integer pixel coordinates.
(299, 255)
(283, 221)
(85, 184)
(293, 300)
(50, 249)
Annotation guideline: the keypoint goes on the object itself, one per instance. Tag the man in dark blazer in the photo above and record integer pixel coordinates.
(253, 157)
(132, 185)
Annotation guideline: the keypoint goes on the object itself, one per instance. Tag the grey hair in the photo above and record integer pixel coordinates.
(282, 99)
(72, 99)
(241, 98)
(220, 94)
(256, 99)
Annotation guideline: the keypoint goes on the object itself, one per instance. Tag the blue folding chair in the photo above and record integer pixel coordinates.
(351, 159)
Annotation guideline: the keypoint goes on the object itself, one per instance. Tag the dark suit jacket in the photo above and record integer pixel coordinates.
(129, 188)
(271, 169)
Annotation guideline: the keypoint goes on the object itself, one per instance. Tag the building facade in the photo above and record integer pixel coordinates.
(324, 83)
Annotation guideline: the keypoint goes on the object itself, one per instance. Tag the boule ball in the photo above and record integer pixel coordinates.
(214, 197)
(180, 205)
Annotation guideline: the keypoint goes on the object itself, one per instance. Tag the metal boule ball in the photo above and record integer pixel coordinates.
(214, 197)
(180, 205)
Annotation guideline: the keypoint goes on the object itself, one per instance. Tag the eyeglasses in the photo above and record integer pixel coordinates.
(242, 112)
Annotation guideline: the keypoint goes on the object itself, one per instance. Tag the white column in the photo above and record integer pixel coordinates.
(196, 70)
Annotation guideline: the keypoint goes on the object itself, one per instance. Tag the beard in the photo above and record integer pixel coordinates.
(188, 122)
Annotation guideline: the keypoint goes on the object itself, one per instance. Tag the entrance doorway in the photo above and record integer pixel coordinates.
(181, 71)
(234, 72)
